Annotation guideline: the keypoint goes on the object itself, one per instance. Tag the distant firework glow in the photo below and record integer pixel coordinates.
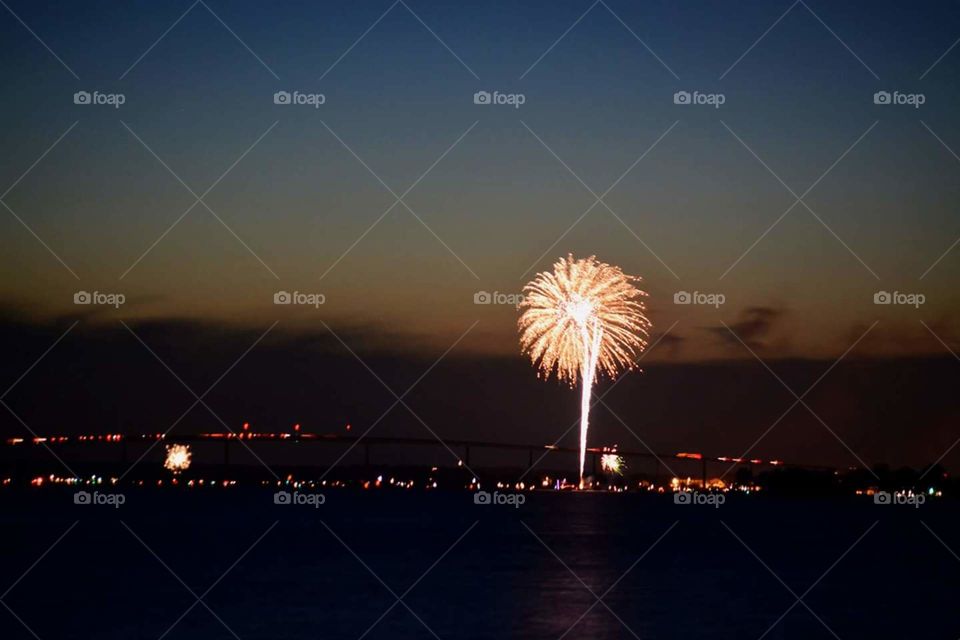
(178, 458)
(583, 318)
(612, 463)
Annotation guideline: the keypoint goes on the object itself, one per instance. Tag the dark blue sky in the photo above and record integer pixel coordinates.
(694, 199)
(491, 210)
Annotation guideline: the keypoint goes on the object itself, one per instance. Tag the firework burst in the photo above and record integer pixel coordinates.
(178, 458)
(612, 463)
(583, 318)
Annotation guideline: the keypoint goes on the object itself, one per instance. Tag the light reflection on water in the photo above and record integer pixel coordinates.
(516, 574)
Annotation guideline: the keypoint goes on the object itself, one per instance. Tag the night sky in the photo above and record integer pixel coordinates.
(597, 160)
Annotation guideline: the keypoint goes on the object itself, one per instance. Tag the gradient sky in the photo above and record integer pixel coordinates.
(499, 199)
(295, 189)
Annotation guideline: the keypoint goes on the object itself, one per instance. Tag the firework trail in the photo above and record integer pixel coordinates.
(582, 319)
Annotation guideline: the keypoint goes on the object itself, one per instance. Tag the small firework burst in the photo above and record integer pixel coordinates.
(612, 463)
(178, 458)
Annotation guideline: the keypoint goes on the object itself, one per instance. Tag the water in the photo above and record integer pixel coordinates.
(515, 573)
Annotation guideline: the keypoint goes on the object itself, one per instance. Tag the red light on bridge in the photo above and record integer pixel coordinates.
(692, 456)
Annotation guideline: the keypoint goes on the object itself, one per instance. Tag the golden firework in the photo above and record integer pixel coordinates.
(178, 458)
(582, 318)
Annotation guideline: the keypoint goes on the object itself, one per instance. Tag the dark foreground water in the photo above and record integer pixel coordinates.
(267, 571)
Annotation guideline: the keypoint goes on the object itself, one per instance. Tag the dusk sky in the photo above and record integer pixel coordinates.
(499, 199)
(479, 320)
(700, 201)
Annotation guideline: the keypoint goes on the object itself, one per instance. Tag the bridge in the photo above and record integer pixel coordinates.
(535, 452)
